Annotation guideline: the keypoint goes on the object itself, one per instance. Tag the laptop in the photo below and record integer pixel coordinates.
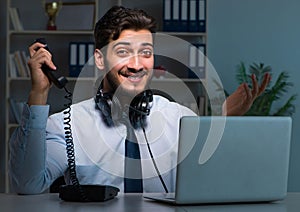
(230, 160)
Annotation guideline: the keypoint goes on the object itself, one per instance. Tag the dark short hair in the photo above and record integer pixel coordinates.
(119, 18)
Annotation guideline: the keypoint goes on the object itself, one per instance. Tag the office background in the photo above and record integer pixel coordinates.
(264, 31)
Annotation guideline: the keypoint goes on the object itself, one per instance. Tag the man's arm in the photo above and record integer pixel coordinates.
(27, 151)
(28, 168)
(37, 151)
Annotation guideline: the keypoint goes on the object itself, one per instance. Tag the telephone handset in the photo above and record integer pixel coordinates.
(58, 81)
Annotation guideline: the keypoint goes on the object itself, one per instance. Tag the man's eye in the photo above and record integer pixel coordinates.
(146, 53)
(122, 53)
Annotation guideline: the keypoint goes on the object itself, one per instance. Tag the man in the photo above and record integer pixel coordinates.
(101, 125)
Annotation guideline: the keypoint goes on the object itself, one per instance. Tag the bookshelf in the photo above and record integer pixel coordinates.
(183, 89)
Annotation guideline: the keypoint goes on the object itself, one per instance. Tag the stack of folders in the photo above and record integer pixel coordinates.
(15, 19)
(81, 60)
(184, 15)
(197, 61)
(18, 66)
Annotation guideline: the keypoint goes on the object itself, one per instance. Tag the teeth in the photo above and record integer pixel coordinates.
(136, 76)
(133, 77)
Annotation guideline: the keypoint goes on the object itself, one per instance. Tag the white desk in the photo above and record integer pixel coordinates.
(134, 203)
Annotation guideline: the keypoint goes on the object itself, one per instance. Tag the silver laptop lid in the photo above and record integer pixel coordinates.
(232, 159)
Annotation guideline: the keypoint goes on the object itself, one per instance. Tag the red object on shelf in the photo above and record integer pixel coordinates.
(159, 71)
(51, 27)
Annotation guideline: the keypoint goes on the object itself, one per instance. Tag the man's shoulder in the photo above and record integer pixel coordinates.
(161, 103)
(85, 104)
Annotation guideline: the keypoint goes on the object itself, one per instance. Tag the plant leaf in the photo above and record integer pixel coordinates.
(288, 108)
(241, 75)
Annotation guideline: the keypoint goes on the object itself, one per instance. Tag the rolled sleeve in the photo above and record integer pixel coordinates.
(27, 149)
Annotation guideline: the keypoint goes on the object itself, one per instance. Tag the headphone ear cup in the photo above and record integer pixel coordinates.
(102, 103)
(140, 108)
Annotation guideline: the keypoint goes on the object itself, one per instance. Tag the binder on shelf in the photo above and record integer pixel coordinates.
(172, 16)
(18, 62)
(73, 68)
(201, 105)
(167, 14)
(90, 56)
(25, 64)
(192, 22)
(197, 16)
(13, 73)
(81, 55)
(176, 22)
(184, 15)
(81, 61)
(183, 25)
(201, 15)
(197, 57)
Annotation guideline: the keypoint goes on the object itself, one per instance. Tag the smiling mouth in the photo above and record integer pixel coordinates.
(133, 76)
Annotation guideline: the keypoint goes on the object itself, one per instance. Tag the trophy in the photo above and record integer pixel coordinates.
(52, 9)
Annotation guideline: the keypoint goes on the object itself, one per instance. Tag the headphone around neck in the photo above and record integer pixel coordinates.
(112, 111)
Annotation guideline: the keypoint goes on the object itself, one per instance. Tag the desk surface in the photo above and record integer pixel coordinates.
(134, 203)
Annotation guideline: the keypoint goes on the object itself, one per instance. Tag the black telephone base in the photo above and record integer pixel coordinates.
(93, 193)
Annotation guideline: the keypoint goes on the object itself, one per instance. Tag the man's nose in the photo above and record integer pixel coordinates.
(135, 63)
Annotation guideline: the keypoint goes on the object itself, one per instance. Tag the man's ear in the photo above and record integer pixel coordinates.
(99, 59)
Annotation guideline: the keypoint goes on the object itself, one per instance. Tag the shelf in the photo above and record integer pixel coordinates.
(49, 32)
(19, 79)
(193, 34)
(69, 79)
(176, 80)
(12, 125)
(90, 32)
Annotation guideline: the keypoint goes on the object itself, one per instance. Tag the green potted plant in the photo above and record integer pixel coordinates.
(264, 104)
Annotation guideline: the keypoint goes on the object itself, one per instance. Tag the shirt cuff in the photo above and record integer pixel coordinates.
(35, 115)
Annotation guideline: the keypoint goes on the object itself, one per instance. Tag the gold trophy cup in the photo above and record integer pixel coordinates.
(52, 8)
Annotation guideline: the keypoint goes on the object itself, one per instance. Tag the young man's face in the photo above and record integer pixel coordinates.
(129, 60)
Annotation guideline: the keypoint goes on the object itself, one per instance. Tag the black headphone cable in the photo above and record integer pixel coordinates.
(153, 161)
